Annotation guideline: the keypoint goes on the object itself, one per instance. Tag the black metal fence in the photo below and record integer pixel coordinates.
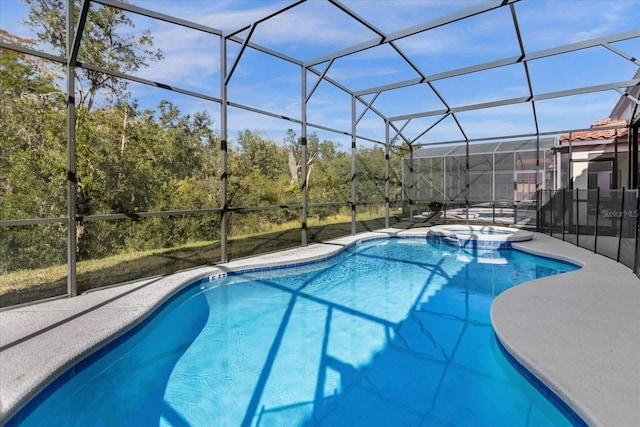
(603, 221)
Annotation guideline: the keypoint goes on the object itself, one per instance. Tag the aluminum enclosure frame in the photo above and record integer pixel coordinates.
(394, 125)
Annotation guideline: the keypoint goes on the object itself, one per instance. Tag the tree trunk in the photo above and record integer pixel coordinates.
(293, 168)
(124, 127)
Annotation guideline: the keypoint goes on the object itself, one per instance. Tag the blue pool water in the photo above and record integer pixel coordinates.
(391, 332)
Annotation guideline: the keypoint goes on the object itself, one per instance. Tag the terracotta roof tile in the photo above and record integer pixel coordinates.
(598, 133)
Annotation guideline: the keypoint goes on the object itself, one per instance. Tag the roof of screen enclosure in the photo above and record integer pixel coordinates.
(486, 148)
(503, 83)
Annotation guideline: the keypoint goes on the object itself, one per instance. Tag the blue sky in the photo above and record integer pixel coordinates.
(317, 27)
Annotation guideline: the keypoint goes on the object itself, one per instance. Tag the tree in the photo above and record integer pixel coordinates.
(31, 137)
(169, 162)
(23, 75)
(295, 160)
(105, 43)
(370, 170)
(32, 160)
(320, 156)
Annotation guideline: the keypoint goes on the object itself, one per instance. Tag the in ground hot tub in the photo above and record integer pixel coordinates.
(477, 236)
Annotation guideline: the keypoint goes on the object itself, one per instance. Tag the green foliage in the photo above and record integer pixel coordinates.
(32, 140)
(328, 176)
(32, 247)
(130, 162)
(127, 162)
(107, 42)
(257, 167)
(370, 175)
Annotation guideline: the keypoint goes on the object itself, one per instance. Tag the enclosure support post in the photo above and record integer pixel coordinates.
(595, 235)
(557, 170)
(493, 180)
(538, 215)
(515, 177)
(386, 175)
(353, 165)
(571, 161)
(543, 184)
(564, 213)
(412, 176)
(73, 47)
(577, 218)
(303, 158)
(551, 215)
(224, 253)
(537, 180)
(636, 236)
(615, 163)
(72, 187)
(629, 158)
(620, 227)
(444, 186)
(466, 183)
(634, 158)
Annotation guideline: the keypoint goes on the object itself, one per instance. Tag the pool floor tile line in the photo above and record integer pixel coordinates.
(578, 333)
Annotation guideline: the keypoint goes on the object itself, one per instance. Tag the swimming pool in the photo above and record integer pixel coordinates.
(390, 332)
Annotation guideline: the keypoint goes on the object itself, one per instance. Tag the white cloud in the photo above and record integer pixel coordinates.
(189, 56)
(576, 112)
(317, 27)
(394, 15)
(550, 23)
(226, 15)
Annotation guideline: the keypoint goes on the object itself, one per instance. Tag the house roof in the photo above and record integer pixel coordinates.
(603, 129)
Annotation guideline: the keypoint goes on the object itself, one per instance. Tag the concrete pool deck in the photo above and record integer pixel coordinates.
(578, 332)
